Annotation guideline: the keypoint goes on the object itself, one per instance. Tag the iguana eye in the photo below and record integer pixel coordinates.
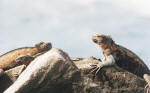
(94, 40)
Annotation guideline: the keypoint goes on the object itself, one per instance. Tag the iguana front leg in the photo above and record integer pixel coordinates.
(108, 61)
(26, 59)
(19, 61)
(23, 60)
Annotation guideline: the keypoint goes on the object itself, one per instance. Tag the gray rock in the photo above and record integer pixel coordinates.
(112, 79)
(9, 77)
(43, 73)
(53, 72)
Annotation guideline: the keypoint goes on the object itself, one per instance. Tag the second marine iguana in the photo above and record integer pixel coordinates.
(121, 56)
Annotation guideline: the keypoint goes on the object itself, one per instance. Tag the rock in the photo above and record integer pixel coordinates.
(9, 77)
(45, 73)
(112, 79)
(55, 72)
(52, 72)
(15, 72)
(86, 85)
(85, 64)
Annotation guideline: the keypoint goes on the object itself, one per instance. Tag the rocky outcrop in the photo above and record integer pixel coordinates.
(113, 79)
(56, 72)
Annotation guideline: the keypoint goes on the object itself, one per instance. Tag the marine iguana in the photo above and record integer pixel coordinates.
(121, 56)
(22, 56)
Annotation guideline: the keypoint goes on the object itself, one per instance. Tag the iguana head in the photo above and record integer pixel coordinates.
(43, 46)
(102, 39)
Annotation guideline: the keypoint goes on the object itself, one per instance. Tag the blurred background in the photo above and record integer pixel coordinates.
(69, 25)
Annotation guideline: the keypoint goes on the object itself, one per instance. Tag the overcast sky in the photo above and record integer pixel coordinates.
(69, 24)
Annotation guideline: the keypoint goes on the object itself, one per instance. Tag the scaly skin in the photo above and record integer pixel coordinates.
(122, 57)
(116, 54)
(9, 59)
